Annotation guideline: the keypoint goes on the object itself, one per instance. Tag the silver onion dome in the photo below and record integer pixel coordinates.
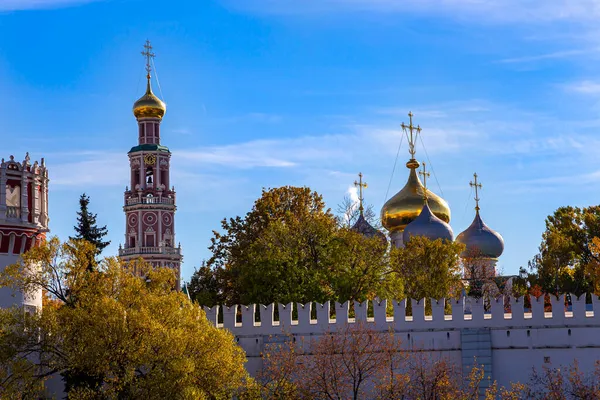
(480, 240)
(429, 225)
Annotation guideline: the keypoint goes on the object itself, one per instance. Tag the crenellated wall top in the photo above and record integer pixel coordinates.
(464, 312)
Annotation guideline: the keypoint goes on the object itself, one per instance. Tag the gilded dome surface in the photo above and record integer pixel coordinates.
(429, 226)
(480, 240)
(149, 106)
(405, 206)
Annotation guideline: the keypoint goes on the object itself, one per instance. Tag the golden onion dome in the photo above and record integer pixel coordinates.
(149, 106)
(406, 205)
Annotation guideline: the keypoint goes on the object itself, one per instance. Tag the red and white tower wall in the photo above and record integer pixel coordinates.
(23, 219)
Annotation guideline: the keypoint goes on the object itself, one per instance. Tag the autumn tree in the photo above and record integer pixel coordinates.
(87, 228)
(289, 248)
(283, 239)
(429, 269)
(338, 365)
(358, 362)
(121, 335)
(206, 286)
(566, 257)
(563, 383)
(361, 269)
(592, 269)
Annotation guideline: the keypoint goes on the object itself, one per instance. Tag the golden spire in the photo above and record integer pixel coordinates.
(361, 185)
(412, 132)
(425, 175)
(477, 186)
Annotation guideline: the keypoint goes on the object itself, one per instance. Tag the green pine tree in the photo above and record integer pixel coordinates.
(86, 226)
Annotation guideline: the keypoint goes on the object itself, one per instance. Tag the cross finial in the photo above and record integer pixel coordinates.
(411, 132)
(361, 185)
(425, 175)
(149, 56)
(477, 186)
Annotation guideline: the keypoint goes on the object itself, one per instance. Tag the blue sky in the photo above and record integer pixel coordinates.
(263, 93)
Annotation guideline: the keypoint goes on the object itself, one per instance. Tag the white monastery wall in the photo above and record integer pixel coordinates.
(508, 345)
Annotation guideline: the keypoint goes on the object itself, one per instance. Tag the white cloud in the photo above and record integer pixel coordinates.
(353, 194)
(585, 87)
(85, 169)
(14, 5)
(551, 56)
(259, 153)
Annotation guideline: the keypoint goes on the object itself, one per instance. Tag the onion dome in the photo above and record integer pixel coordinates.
(363, 227)
(405, 206)
(149, 106)
(480, 240)
(429, 225)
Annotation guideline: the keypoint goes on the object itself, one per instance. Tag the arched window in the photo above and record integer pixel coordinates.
(150, 175)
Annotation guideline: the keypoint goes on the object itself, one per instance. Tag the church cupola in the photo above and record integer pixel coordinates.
(481, 242)
(406, 205)
(427, 224)
(361, 225)
(149, 106)
(149, 109)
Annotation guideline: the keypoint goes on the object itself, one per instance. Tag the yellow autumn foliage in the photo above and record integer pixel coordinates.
(110, 333)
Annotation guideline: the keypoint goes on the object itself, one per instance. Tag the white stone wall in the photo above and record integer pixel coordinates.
(10, 297)
(508, 344)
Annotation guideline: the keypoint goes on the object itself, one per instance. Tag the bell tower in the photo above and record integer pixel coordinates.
(149, 200)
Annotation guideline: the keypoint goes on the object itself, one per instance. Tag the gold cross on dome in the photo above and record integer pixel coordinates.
(149, 56)
(425, 175)
(361, 185)
(411, 133)
(477, 186)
